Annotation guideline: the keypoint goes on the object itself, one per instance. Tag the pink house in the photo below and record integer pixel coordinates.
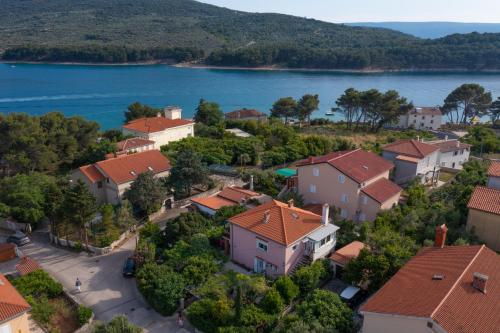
(275, 238)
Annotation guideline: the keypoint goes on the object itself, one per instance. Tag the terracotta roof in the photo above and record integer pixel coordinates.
(127, 168)
(359, 165)
(347, 253)
(12, 303)
(27, 265)
(382, 190)
(91, 172)
(155, 124)
(494, 169)
(452, 302)
(485, 199)
(407, 159)
(245, 113)
(411, 148)
(214, 202)
(133, 143)
(426, 111)
(450, 145)
(314, 208)
(285, 226)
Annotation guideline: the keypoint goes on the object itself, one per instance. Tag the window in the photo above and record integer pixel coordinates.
(312, 188)
(323, 242)
(362, 217)
(432, 121)
(5, 328)
(315, 172)
(99, 184)
(271, 267)
(443, 164)
(341, 179)
(294, 247)
(328, 238)
(344, 198)
(364, 200)
(261, 245)
(343, 213)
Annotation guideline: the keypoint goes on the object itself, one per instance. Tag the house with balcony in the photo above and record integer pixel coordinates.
(276, 238)
(413, 159)
(355, 182)
(421, 118)
(442, 289)
(452, 153)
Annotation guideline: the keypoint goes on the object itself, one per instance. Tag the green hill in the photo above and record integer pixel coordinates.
(185, 30)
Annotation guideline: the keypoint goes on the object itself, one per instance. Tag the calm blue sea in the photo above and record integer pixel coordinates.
(102, 93)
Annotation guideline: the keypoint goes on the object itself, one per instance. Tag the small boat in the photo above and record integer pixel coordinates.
(12, 66)
(329, 113)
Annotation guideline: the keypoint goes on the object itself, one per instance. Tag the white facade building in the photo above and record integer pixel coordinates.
(421, 118)
(452, 153)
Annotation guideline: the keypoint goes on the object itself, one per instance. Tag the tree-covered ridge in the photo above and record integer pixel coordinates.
(185, 30)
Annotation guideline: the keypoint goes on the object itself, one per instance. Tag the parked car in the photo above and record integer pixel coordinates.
(353, 296)
(129, 267)
(18, 238)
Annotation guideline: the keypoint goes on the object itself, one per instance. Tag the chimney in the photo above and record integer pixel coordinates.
(290, 203)
(325, 218)
(311, 159)
(418, 137)
(158, 115)
(440, 239)
(251, 183)
(446, 138)
(479, 282)
(267, 215)
(458, 144)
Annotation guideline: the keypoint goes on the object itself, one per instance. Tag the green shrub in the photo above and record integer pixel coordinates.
(198, 269)
(209, 314)
(118, 324)
(84, 314)
(41, 309)
(309, 277)
(287, 289)
(272, 303)
(252, 316)
(161, 286)
(38, 284)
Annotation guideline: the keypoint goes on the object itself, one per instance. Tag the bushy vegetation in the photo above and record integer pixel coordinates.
(118, 324)
(84, 314)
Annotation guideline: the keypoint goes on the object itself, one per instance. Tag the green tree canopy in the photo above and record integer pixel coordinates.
(137, 110)
(146, 193)
(118, 324)
(467, 101)
(495, 111)
(209, 113)
(285, 107)
(306, 106)
(188, 170)
(349, 104)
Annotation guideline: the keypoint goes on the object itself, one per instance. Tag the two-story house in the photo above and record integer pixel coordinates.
(413, 159)
(107, 180)
(421, 118)
(452, 153)
(275, 237)
(484, 209)
(355, 182)
(442, 289)
(163, 128)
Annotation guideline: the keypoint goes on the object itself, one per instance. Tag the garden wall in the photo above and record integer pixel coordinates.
(94, 249)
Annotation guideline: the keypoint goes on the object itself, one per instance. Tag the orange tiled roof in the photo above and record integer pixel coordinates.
(450, 145)
(91, 172)
(285, 226)
(485, 199)
(359, 165)
(426, 111)
(382, 190)
(494, 169)
(214, 202)
(12, 303)
(133, 143)
(347, 253)
(451, 302)
(407, 159)
(245, 113)
(27, 265)
(411, 148)
(155, 124)
(127, 168)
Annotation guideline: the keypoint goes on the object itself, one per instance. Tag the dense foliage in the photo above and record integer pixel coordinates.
(146, 193)
(118, 324)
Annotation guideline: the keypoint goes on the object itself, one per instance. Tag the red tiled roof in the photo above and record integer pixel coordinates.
(127, 168)
(382, 190)
(426, 111)
(27, 265)
(485, 199)
(451, 302)
(214, 202)
(133, 143)
(245, 113)
(407, 159)
(12, 303)
(229, 196)
(314, 208)
(450, 145)
(347, 253)
(285, 226)
(411, 148)
(494, 169)
(155, 124)
(91, 172)
(359, 165)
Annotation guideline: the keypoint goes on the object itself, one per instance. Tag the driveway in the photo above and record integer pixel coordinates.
(104, 289)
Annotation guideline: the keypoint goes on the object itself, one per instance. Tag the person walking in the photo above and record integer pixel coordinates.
(180, 320)
(78, 285)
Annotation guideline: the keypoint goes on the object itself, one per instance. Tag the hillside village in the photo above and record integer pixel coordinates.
(386, 221)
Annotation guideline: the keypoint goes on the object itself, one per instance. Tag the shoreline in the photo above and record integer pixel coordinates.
(259, 68)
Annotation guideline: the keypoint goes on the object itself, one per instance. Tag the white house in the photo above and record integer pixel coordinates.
(452, 153)
(421, 118)
(107, 180)
(163, 128)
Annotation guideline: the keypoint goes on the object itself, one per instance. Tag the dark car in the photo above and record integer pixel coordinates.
(129, 267)
(18, 238)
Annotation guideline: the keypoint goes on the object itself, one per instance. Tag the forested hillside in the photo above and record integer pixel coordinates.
(186, 30)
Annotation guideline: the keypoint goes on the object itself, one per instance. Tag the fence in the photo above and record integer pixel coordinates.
(93, 249)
